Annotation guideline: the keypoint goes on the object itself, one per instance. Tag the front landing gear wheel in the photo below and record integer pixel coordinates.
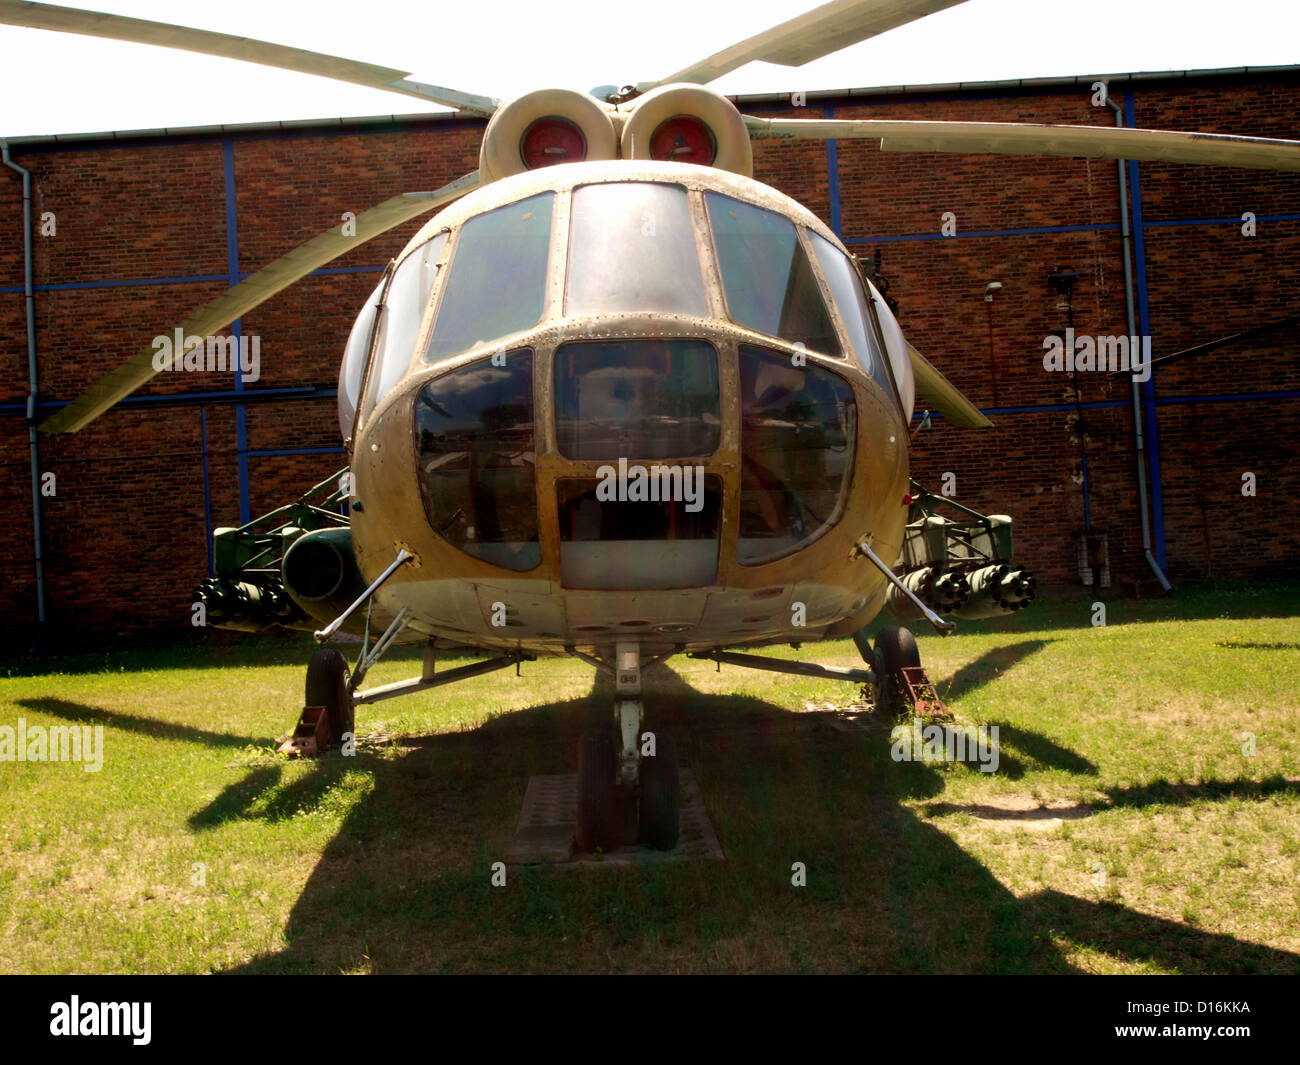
(598, 816)
(660, 795)
(327, 686)
(895, 651)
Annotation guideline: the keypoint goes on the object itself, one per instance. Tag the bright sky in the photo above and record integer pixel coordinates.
(58, 83)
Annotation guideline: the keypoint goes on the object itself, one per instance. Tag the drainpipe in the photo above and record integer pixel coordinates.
(33, 388)
(1127, 235)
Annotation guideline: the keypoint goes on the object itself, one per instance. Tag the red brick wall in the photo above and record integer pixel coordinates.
(125, 533)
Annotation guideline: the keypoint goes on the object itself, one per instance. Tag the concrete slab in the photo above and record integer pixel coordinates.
(544, 835)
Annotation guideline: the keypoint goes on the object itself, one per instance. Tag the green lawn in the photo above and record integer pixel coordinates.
(1163, 848)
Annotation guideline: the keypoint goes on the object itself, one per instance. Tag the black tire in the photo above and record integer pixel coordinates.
(597, 798)
(327, 686)
(661, 796)
(895, 651)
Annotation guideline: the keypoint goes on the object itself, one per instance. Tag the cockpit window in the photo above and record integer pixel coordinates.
(477, 460)
(405, 302)
(636, 399)
(497, 280)
(354, 360)
(632, 248)
(766, 275)
(658, 529)
(797, 430)
(846, 287)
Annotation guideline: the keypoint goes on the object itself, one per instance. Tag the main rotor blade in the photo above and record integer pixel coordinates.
(1214, 345)
(253, 290)
(1026, 138)
(944, 396)
(810, 36)
(206, 42)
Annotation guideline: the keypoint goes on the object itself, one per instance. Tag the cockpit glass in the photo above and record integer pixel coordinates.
(496, 284)
(640, 526)
(846, 287)
(637, 399)
(632, 248)
(405, 302)
(477, 460)
(797, 431)
(768, 281)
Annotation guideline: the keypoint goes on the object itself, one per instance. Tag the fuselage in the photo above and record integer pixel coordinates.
(626, 400)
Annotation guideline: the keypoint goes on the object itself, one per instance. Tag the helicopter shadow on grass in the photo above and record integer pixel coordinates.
(1016, 746)
(405, 885)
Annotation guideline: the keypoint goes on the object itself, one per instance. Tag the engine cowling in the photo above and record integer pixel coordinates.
(670, 119)
(546, 127)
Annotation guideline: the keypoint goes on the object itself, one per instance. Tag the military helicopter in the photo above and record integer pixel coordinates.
(618, 400)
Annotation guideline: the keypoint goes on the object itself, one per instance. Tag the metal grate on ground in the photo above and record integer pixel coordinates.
(549, 816)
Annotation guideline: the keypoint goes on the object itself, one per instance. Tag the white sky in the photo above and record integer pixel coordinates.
(59, 83)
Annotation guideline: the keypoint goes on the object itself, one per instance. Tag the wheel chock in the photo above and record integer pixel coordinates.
(311, 735)
(922, 694)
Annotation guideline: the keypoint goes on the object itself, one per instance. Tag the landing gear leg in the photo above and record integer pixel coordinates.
(624, 795)
(895, 651)
(327, 686)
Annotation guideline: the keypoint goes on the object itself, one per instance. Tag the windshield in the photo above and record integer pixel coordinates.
(632, 248)
(638, 399)
(851, 298)
(766, 275)
(496, 284)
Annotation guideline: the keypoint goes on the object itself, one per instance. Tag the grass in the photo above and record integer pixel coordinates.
(197, 849)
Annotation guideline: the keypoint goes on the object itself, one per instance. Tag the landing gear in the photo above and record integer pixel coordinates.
(327, 686)
(625, 795)
(598, 820)
(660, 796)
(895, 651)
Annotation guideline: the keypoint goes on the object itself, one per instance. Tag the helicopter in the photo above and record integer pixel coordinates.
(618, 400)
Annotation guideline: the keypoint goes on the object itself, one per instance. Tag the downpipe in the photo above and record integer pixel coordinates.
(1126, 234)
(33, 387)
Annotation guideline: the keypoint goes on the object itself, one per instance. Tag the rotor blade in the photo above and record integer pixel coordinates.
(253, 290)
(810, 36)
(1026, 138)
(1214, 345)
(944, 395)
(206, 42)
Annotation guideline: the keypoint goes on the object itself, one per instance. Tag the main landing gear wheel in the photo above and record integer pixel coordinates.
(598, 815)
(327, 686)
(895, 651)
(660, 795)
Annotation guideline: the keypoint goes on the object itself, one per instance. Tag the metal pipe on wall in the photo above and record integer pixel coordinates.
(33, 388)
(1126, 236)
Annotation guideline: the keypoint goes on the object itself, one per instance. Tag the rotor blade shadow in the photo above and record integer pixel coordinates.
(1139, 937)
(145, 726)
(989, 666)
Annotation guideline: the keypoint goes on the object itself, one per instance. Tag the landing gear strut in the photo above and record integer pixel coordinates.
(327, 686)
(626, 792)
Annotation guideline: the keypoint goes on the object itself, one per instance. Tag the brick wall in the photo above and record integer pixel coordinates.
(124, 534)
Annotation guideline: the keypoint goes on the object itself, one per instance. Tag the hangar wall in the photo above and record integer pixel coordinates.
(150, 225)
